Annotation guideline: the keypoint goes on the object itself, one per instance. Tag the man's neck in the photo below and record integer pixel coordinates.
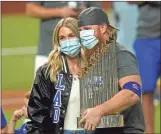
(91, 51)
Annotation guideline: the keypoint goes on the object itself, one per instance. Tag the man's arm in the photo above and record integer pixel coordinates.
(127, 72)
(123, 99)
(38, 11)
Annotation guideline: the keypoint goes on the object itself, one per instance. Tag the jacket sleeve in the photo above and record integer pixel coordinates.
(40, 105)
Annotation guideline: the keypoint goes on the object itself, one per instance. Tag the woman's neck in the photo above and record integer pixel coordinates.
(73, 65)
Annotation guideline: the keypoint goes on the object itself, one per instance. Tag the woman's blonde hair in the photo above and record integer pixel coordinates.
(27, 95)
(55, 63)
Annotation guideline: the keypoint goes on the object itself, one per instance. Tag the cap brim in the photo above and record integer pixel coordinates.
(113, 27)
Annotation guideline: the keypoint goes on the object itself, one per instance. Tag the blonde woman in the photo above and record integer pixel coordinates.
(53, 93)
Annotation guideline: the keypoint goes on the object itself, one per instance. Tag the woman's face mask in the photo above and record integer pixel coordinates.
(88, 39)
(70, 47)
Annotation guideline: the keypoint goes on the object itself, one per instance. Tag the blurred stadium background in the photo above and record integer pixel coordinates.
(19, 46)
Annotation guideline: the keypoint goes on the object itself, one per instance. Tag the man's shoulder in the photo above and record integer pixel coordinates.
(121, 50)
(126, 62)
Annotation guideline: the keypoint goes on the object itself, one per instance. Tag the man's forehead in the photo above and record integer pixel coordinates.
(88, 27)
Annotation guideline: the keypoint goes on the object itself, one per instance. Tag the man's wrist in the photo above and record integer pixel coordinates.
(102, 109)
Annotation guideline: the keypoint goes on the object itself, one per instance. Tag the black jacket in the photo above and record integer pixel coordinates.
(40, 106)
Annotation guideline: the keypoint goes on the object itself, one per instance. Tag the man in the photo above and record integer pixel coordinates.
(147, 49)
(3, 123)
(50, 12)
(126, 17)
(128, 99)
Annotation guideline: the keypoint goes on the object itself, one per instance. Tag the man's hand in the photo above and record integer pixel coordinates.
(91, 118)
(68, 12)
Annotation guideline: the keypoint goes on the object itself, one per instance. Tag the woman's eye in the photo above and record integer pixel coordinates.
(61, 38)
(72, 35)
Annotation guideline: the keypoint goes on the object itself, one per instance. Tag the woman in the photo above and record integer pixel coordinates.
(48, 103)
(54, 102)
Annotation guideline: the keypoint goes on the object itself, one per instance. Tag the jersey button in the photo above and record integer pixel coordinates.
(63, 111)
(66, 94)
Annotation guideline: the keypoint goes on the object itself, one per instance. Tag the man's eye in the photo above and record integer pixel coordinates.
(87, 28)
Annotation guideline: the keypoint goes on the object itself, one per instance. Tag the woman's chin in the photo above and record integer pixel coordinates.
(72, 57)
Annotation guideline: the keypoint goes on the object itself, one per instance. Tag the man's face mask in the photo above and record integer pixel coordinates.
(70, 47)
(88, 39)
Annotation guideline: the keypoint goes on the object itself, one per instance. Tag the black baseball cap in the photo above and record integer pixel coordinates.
(93, 16)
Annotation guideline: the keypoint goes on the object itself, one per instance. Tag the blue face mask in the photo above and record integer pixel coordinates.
(70, 47)
(88, 39)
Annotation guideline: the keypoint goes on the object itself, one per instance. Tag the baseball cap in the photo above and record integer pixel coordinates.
(93, 16)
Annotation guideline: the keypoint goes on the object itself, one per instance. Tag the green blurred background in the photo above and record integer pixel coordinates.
(18, 69)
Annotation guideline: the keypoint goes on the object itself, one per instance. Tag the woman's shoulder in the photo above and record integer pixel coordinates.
(43, 70)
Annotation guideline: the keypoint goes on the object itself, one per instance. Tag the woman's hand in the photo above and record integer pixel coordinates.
(91, 118)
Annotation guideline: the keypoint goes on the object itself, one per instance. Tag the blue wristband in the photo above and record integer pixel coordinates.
(133, 86)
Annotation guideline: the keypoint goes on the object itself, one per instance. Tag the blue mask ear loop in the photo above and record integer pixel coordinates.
(64, 65)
